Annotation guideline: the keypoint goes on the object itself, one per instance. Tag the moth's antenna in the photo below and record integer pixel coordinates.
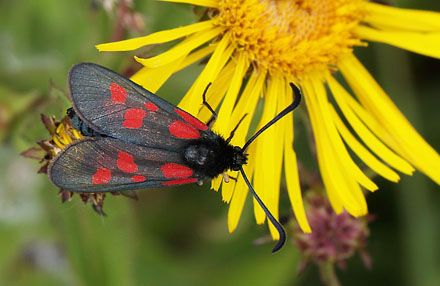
(269, 215)
(205, 103)
(273, 220)
(295, 103)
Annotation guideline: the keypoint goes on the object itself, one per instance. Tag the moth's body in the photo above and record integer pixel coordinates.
(136, 140)
(213, 156)
(209, 156)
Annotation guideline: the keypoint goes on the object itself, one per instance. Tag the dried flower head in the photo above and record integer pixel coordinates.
(62, 134)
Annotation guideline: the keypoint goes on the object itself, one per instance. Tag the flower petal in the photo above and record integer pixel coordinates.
(410, 144)
(291, 168)
(237, 202)
(223, 125)
(153, 79)
(205, 3)
(338, 145)
(197, 55)
(246, 105)
(334, 162)
(240, 194)
(269, 155)
(184, 48)
(218, 60)
(155, 38)
(427, 44)
(217, 90)
(364, 133)
(215, 95)
(362, 152)
(216, 183)
(393, 18)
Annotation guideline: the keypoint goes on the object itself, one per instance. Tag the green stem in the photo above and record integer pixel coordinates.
(328, 274)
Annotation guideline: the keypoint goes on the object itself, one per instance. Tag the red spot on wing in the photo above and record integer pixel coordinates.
(191, 119)
(133, 118)
(180, 181)
(138, 178)
(102, 176)
(126, 163)
(151, 106)
(172, 170)
(182, 130)
(119, 95)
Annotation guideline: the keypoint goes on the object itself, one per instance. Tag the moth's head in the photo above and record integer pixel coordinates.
(239, 158)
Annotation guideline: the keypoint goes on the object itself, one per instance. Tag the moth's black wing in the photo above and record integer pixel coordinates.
(115, 106)
(105, 164)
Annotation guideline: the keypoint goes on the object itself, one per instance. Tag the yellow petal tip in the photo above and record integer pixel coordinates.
(98, 47)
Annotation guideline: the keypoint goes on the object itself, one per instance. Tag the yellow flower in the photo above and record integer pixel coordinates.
(62, 133)
(256, 48)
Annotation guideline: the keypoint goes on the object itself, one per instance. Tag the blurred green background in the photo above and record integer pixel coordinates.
(178, 236)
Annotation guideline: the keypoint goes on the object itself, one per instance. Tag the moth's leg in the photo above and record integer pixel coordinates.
(235, 128)
(205, 103)
(226, 178)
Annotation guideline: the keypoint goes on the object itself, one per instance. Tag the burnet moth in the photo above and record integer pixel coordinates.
(135, 140)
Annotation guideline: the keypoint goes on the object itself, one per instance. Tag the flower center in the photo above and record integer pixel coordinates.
(296, 37)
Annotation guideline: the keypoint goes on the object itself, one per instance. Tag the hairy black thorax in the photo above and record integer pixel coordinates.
(212, 155)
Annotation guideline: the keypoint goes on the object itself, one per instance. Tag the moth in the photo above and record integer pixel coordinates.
(136, 140)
